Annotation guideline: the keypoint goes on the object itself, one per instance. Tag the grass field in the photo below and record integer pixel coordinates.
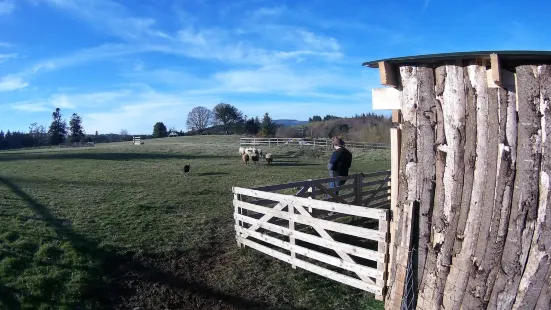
(118, 226)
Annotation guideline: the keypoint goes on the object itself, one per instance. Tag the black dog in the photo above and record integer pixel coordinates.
(186, 169)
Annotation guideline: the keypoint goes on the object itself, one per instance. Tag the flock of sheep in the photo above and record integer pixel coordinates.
(254, 154)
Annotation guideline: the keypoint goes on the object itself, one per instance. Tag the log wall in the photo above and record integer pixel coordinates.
(476, 160)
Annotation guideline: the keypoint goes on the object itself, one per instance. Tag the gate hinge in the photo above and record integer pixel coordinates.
(391, 214)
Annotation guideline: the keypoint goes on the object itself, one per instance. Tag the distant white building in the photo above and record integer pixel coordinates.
(172, 134)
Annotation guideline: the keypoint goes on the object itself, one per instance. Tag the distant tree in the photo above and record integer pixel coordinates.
(316, 118)
(159, 130)
(330, 117)
(75, 127)
(269, 127)
(227, 115)
(252, 127)
(198, 119)
(124, 132)
(58, 128)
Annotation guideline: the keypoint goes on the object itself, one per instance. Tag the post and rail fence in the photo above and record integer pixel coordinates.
(304, 227)
(326, 143)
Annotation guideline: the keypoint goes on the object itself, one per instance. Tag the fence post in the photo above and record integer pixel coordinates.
(291, 209)
(238, 222)
(312, 190)
(358, 189)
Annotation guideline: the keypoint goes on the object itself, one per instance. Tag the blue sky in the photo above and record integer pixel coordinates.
(128, 64)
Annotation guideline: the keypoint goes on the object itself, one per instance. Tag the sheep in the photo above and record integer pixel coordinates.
(254, 157)
(259, 152)
(245, 157)
(269, 158)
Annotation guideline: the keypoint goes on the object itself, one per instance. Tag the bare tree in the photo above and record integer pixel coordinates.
(198, 119)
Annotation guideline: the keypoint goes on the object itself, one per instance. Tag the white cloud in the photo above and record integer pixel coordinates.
(5, 44)
(6, 7)
(29, 106)
(318, 42)
(62, 102)
(6, 57)
(10, 83)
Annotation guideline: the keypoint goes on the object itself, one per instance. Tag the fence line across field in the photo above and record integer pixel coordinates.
(308, 142)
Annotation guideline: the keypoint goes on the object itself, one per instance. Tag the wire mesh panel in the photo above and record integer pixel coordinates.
(408, 300)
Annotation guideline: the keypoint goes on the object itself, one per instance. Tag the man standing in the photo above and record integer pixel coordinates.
(339, 163)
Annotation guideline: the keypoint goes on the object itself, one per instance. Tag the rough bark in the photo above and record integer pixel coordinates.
(407, 183)
(462, 265)
(534, 275)
(524, 208)
(469, 159)
(486, 254)
(426, 120)
(544, 300)
(450, 91)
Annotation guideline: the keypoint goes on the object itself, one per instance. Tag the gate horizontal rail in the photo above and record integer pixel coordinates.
(263, 218)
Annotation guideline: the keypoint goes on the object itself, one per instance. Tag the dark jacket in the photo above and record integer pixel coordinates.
(340, 161)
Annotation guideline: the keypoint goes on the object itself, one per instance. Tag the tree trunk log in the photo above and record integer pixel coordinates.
(426, 120)
(463, 263)
(524, 208)
(407, 186)
(486, 253)
(450, 92)
(469, 159)
(535, 272)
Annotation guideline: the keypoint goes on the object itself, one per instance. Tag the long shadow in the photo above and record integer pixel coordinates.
(292, 164)
(122, 156)
(204, 174)
(72, 182)
(109, 264)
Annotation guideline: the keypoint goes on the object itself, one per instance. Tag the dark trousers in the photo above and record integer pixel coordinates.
(336, 183)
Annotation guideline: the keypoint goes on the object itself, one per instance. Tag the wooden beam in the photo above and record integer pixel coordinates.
(388, 74)
(385, 99)
(396, 116)
(507, 79)
(496, 69)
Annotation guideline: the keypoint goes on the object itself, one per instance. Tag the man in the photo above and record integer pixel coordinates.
(339, 163)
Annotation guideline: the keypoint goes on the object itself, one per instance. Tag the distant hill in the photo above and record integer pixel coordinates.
(289, 122)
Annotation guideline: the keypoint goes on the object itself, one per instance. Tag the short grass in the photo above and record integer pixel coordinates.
(119, 226)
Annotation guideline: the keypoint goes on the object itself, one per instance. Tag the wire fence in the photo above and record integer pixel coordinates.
(409, 298)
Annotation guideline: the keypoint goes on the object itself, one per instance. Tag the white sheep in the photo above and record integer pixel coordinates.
(269, 158)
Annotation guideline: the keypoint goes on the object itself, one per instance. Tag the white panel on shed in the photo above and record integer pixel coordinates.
(385, 98)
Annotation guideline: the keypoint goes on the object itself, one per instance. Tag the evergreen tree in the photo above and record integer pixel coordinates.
(75, 126)
(269, 127)
(159, 130)
(252, 127)
(58, 128)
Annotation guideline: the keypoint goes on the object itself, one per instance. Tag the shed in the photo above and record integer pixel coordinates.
(471, 160)
(173, 134)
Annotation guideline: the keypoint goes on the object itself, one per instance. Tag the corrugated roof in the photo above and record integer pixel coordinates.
(507, 58)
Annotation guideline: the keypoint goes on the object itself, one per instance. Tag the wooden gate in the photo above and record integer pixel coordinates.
(338, 240)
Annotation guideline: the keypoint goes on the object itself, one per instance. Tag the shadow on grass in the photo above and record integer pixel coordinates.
(204, 174)
(122, 156)
(114, 277)
(291, 164)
